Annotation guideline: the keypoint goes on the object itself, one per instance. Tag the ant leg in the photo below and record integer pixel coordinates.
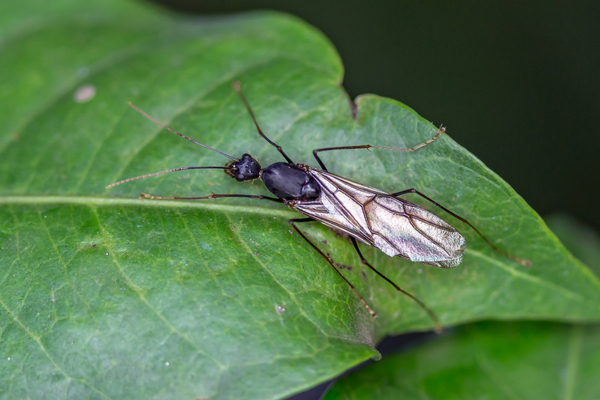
(521, 261)
(368, 146)
(237, 86)
(297, 220)
(210, 196)
(438, 325)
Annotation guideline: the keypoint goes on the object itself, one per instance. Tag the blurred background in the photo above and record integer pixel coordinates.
(516, 83)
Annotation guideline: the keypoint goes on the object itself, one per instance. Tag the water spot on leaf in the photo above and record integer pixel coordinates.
(84, 93)
(89, 243)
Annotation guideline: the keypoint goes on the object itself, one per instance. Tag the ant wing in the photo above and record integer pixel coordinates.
(393, 225)
(414, 233)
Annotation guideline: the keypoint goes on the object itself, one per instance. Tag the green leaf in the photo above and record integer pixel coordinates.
(491, 360)
(105, 295)
(487, 360)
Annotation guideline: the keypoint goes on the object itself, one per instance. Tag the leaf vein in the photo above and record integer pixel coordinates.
(132, 285)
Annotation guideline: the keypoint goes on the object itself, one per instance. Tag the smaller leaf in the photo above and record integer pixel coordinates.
(488, 360)
(492, 360)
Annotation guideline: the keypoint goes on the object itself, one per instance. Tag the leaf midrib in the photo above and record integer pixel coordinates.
(97, 201)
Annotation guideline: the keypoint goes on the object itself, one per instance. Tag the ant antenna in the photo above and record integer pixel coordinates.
(177, 133)
(237, 86)
(159, 173)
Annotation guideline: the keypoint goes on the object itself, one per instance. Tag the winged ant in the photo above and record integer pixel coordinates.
(368, 215)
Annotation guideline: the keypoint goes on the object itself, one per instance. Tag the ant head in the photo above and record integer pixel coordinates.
(245, 169)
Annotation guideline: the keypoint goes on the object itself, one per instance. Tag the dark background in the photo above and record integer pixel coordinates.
(516, 83)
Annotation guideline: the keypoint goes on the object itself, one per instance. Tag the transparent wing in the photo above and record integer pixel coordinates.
(394, 226)
(414, 233)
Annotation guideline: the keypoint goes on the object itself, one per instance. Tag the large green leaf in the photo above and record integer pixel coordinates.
(105, 295)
